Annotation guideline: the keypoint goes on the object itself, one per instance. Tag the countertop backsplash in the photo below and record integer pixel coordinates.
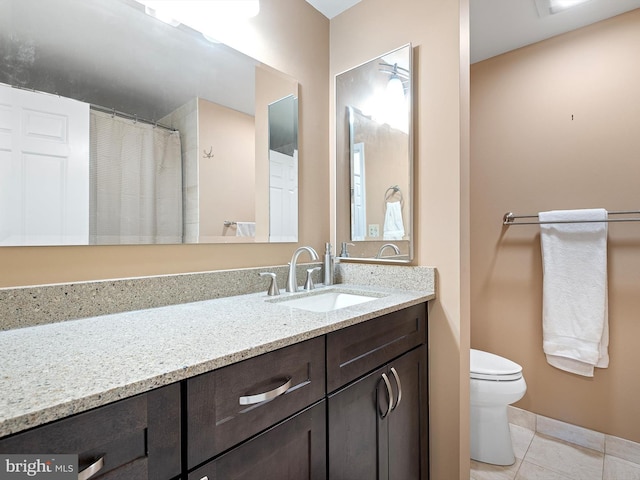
(392, 276)
(43, 304)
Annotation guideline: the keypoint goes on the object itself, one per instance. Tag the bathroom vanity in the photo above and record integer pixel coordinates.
(240, 387)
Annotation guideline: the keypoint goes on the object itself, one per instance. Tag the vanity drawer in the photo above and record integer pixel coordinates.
(354, 351)
(138, 437)
(229, 405)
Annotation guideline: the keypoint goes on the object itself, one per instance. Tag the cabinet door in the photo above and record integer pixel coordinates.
(292, 450)
(408, 421)
(369, 441)
(354, 423)
(138, 437)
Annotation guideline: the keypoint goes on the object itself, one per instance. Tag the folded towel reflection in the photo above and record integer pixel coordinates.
(393, 227)
(575, 311)
(246, 229)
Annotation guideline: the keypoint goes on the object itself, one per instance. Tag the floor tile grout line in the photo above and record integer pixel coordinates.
(572, 444)
(524, 456)
(515, 474)
(565, 442)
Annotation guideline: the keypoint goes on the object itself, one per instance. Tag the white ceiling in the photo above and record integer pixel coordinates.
(331, 8)
(498, 26)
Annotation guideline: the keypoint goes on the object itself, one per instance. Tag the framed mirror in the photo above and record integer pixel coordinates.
(118, 128)
(374, 171)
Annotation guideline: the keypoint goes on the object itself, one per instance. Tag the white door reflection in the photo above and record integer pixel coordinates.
(283, 170)
(44, 169)
(359, 193)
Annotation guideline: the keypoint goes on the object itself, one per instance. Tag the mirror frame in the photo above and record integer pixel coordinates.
(366, 250)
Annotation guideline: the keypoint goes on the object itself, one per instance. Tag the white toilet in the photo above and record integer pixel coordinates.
(495, 383)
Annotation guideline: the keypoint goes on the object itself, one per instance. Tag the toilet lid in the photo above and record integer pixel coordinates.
(487, 366)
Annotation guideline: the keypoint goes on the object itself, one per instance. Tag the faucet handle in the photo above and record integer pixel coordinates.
(273, 286)
(308, 284)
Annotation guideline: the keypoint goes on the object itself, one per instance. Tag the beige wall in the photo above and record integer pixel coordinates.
(386, 153)
(289, 35)
(227, 180)
(556, 126)
(439, 33)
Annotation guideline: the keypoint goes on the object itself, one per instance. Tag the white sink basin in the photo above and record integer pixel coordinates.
(326, 302)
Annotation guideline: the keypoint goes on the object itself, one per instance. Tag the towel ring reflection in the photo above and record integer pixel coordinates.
(393, 191)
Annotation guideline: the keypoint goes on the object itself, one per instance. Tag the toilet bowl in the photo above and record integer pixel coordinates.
(496, 382)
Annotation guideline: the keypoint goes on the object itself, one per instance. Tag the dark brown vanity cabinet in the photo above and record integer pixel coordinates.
(378, 419)
(349, 405)
(135, 438)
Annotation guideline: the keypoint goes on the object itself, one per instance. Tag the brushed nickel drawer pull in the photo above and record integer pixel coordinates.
(91, 470)
(263, 397)
(389, 396)
(397, 377)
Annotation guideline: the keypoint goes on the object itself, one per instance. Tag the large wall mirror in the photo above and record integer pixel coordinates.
(374, 171)
(118, 128)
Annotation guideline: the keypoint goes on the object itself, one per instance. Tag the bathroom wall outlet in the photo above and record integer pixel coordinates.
(374, 230)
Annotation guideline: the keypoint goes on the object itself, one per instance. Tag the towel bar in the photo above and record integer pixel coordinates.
(510, 219)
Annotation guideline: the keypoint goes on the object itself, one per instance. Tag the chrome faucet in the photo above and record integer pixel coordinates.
(388, 245)
(292, 281)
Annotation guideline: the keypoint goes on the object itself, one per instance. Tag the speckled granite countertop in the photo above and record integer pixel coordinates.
(51, 371)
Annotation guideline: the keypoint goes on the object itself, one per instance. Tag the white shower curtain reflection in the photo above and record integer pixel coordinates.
(136, 182)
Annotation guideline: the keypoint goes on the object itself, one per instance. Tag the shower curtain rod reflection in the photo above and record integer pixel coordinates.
(100, 108)
(129, 116)
(510, 219)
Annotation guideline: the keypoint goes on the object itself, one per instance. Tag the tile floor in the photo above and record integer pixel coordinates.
(550, 450)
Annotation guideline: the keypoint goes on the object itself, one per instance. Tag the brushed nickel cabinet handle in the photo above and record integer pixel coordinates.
(263, 397)
(91, 470)
(397, 377)
(389, 396)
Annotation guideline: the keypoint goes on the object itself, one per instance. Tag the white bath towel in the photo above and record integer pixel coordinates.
(245, 229)
(393, 227)
(575, 317)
